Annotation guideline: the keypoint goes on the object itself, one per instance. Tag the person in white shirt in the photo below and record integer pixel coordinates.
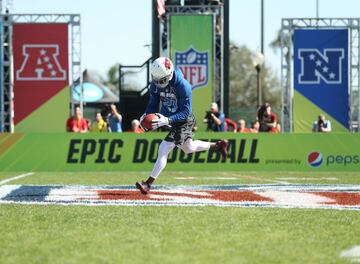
(321, 125)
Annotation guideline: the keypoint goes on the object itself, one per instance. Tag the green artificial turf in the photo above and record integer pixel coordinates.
(75, 234)
(187, 178)
(116, 234)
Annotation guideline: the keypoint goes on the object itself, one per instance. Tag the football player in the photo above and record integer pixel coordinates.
(169, 87)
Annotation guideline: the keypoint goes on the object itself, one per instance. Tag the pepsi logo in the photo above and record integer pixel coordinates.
(315, 159)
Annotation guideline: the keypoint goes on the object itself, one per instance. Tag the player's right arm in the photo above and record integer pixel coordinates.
(154, 100)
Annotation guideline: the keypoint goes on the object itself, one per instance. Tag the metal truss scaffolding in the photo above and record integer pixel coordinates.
(75, 76)
(287, 89)
(217, 11)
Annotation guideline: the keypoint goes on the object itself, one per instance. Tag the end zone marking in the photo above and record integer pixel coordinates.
(6, 190)
(341, 197)
(16, 178)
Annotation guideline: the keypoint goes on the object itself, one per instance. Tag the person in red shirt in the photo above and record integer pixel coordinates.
(135, 127)
(255, 126)
(230, 125)
(267, 119)
(77, 123)
(242, 127)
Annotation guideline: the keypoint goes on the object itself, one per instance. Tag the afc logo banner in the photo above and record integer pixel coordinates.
(194, 65)
(40, 63)
(316, 65)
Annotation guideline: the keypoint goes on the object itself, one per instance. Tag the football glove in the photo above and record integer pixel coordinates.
(162, 121)
(141, 119)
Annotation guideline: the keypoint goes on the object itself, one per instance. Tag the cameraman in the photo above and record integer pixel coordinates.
(322, 125)
(267, 119)
(215, 119)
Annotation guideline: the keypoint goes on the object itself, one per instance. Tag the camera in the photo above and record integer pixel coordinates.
(320, 123)
(208, 119)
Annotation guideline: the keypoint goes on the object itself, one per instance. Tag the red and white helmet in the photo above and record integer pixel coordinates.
(162, 71)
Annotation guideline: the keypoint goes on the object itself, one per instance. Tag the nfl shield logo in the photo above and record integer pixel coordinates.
(194, 65)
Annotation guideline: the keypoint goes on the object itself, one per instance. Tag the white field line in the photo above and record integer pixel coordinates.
(281, 182)
(261, 179)
(205, 178)
(308, 179)
(16, 178)
(228, 178)
(353, 254)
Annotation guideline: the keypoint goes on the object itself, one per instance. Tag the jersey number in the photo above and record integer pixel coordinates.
(170, 104)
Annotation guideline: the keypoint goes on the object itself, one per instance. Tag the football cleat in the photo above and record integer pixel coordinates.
(221, 146)
(143, 187)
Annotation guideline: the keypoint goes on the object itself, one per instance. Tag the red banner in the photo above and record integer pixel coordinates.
(40, 65)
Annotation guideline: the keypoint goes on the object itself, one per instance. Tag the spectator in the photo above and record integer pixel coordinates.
(99, 125)
(135, 127)
(278, 128)
(267, 119)
(77, 123)
(114, 119)
(242, 127)
(321, 125)
(230, 125)
(255, 126)
(215, 119)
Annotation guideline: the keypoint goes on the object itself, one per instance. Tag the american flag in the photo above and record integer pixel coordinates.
(160, 7)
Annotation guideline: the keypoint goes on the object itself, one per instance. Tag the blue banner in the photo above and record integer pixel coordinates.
(321, 76)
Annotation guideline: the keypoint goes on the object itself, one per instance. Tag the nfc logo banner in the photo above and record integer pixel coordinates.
(316, 65)
(321, 76)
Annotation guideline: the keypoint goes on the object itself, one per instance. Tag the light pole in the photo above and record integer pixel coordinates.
(317, 9)
(258, 61)
(262, 26)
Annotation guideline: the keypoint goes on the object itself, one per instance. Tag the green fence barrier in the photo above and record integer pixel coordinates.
(137, 152)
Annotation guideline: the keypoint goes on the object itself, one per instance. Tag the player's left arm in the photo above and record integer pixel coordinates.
(153, 104)
(154, 100)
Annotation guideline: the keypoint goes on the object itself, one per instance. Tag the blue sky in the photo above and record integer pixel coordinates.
(115, 31)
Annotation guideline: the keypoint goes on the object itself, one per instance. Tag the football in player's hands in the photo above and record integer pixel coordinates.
(147, 121)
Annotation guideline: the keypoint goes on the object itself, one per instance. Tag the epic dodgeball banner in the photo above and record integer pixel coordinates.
(138, 152)
(41, 78)
(321, 78)
(191, 49)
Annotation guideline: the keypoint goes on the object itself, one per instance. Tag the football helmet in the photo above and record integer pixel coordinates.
(162, 71)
